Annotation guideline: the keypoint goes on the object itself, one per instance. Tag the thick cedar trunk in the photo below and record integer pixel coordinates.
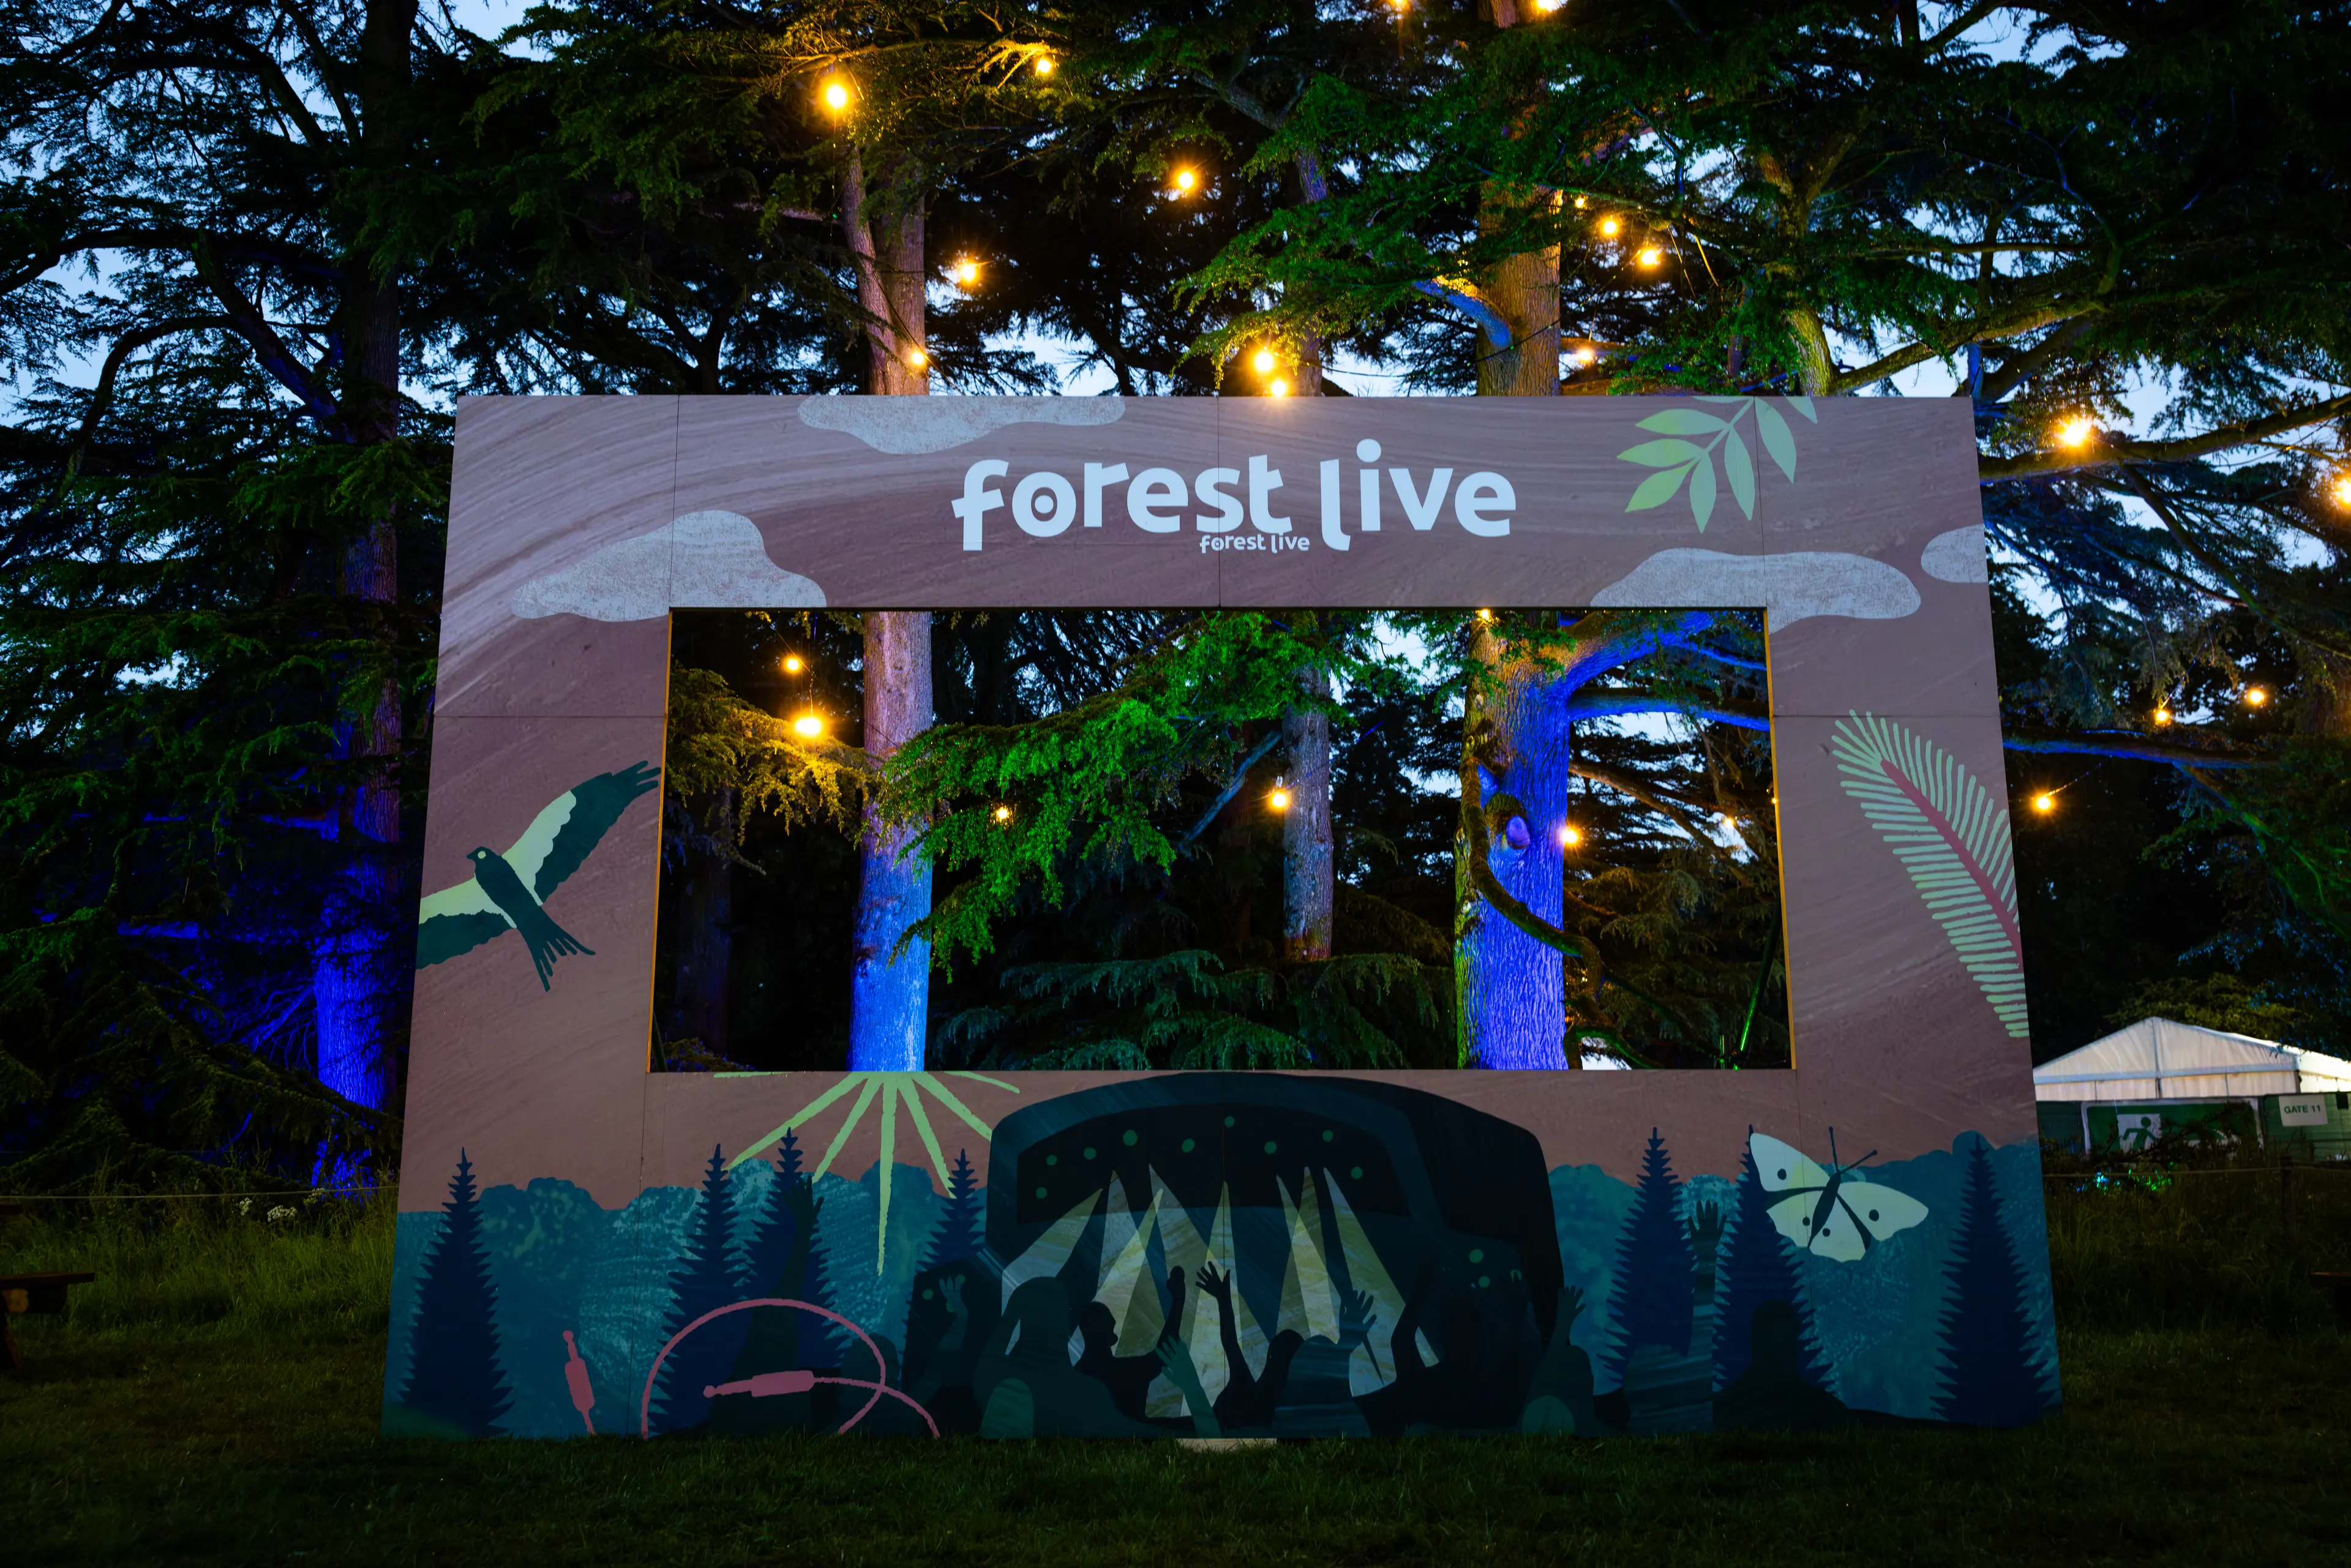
(706, 962)
(1510, 988)
(1513, 988)
(888, 1001)
(889, 1007)
(1523, 290)
(1306, 831)
(365, 944)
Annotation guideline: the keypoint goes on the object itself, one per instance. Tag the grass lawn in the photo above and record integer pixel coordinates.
(214, 1398)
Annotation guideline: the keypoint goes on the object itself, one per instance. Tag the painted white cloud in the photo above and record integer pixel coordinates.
(1956, 557)
(1793, 587)
(905, 425)
(711, 560)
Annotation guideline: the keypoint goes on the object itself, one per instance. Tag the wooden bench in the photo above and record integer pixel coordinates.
(30, 1293)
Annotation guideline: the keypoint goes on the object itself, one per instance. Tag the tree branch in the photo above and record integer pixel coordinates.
(2121, 450)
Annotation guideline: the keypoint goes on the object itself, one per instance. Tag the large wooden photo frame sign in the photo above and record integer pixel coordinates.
(1857, 1238)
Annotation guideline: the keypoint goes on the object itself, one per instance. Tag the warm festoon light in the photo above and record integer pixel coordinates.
(1264, 362)
(836, 95)
(2044, 802)
(1003, 814)
(1277, 387)
(792, 665)
(1650, 255)
(2255, 696)
(918, 358)
(1582, 201)
(966, 272)
(1549, 4)
(1185, 181)
(807, 724)
(2343, 491)
(1044, 64)
(1570, 835)
(1279, 800)
(2162, 715)
(2076, 431)
(1609, 227)
(1581, 357)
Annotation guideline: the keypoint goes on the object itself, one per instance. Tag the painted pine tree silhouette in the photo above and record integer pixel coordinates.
(1759, 1265)
(704, 1279)
(767, 1252)
(1653, 1299)
(453, 1373)
(1992, 1374)
(961, 1228)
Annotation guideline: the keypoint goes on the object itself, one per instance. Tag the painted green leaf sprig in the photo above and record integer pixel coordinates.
(1680, 458)
(1951, 833)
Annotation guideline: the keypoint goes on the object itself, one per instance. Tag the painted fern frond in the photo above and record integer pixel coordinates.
(1951, 835)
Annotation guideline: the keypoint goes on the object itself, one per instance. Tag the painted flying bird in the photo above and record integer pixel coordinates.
(507, 891)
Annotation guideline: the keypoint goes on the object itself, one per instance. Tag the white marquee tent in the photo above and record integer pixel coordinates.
(2156, 1059)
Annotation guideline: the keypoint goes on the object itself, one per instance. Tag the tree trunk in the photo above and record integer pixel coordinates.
(361, 960)
(1306, 831)
(1523, 290)
(888, 1001)
(889, 992)
(705, 965)
(1512, 988)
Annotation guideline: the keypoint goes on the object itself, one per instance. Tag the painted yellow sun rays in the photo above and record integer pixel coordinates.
(894, 1089)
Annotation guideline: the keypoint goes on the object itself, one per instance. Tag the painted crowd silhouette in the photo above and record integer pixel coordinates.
(1230, 1255)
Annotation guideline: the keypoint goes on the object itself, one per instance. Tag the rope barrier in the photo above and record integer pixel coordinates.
(187, 1197)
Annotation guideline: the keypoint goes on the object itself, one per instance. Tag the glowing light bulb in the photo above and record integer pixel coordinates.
(1581, 357)
(1609, 227)
(1185, 181)
(1570, 835)
(2255, 696)
(1264, 360)
(1547, 6)
(1485, 615)
(1044, 64)
(792, 665)
(2044, 802)
(836, 95)
(2076, 431)
(966, 272)
(1279, 800)
(1400, 6)
(1651, 256)
(1582, 201)
(2162, 715)
(1003, 814)
(2343, 491)
(918, 358)
(808, 726)
(1277, 387)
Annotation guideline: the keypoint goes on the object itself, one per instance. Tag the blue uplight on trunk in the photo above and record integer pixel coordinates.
(889, 991)
(1512, 991)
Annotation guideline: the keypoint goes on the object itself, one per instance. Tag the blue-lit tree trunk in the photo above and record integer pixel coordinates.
(1992, 1374)
(890, 989)
(1513, 1005)
(453, 1373)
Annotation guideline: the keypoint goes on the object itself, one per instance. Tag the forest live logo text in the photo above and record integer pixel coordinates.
(1045, 503)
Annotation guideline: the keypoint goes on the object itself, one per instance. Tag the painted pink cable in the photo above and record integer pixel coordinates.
(880, 1367)
(908, 1400)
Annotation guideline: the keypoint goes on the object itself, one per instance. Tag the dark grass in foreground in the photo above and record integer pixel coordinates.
(215, 1399)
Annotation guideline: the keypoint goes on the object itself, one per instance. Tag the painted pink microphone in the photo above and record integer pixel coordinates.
(575, 1374)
